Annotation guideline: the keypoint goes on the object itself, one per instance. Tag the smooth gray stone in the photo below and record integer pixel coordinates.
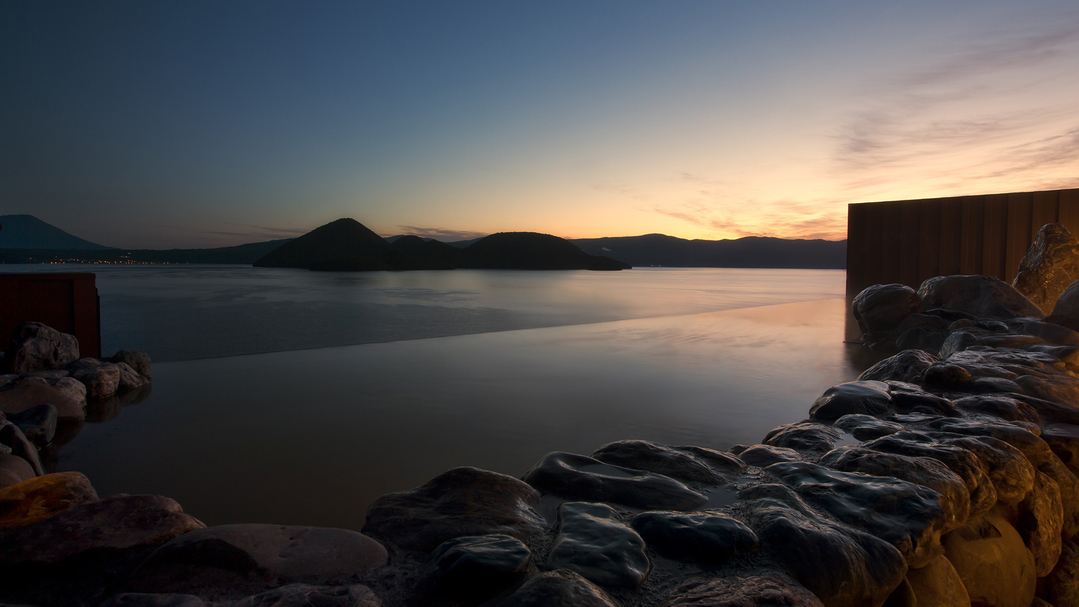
(708, 538)
(562, 588)
(479, 565)
(594, 543)
(579, 477)
(862, 397)
(765, 455)
(38, 424)
(803, 437)
(661, 459)
(460, 502)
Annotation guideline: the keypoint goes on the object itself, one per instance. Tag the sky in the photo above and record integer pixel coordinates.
(200, 124)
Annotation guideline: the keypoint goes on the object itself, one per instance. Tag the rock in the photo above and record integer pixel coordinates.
(594, 543)
(1040, 523)
(1050, 266)
(14, 470)
(880, 309)
(724, 463)
(12, 437)
(766, 455)
(860, 397)
(479, 566)
(116, 523)
(100, 378)
(982, 296)
(709, 538)
(229, 559)
(924, 471)
(1009, 470)
(866, 427)
(560, 588)
(945, 375)
(958, 341)
(141, 599)
(938, 584)
(38, 347)
(1069, 493)
(38, 424)
(803, 437)
(907, 366)
(906, 515)
(39, 498)
(905, 400)
(461, 502)
(995, 566)
(1063, 439)
(765, 589)
(1066, 309)
(30, 392)
(653, 457)
(304, 595)
(583, 478)
(1050, 332)
(136, 359)
(983, 495)
(919, 338)
(998, 406)
(129, 378)
(1062, 585)
(843, 567)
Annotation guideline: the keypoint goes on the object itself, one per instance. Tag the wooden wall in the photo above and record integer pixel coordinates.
(68, 303)
(909, 241)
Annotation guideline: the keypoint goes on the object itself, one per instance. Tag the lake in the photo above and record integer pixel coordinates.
(295, 397)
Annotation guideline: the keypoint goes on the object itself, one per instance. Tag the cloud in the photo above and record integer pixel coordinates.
(443, 234)
(823, 219)
(255, 231)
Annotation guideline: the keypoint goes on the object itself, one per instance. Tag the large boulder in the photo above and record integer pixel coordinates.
(42, 497)
(978, 295)
(233, 559)
(38, 347)
(1066, 309)
(995, 566)
(66, 394)
(461, 502)
(880, 309)
(593, 542)
(938, 584)
(858, 397)
(1050, 266)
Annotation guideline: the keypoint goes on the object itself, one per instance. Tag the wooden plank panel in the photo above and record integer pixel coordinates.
(856, 248)
(929, 239)
(994, 235)
(891, 218)
(1068, 210)
(950, 258)
(874, 235)
(973, 232)
(910, 242)
(1020, 209)
(1045, 210)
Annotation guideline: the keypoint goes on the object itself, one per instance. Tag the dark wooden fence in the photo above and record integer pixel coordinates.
(66, 302)
(909, 241)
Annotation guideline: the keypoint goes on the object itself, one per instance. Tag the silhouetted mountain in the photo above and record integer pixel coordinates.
(29, 232)
(345, 244)
(532, 251)
(415, 253)
(241, 254)
(751, 252)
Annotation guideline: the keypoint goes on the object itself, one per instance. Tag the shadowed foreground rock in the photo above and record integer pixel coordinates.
(559, 588)
(39, 498)
(763, 590)
(479, 566)
(594, 543)
(710, 538)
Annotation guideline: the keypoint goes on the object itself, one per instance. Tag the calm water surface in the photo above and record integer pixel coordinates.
(487, 369)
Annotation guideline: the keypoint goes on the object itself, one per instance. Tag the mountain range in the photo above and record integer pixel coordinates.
(26, 239)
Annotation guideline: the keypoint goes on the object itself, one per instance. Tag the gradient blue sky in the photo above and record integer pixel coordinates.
(190, 124)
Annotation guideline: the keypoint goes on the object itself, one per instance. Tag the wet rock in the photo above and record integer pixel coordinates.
(129, 378)
(1004, 407)
(100, 378)
(304, 595)
(983, 495)
(584, 478)
(919, 401)
(1050, 266)
(594, 543)
(766, 589)
(14, 470)
(37, 347)
(560, 588)
(17, 444)
(1063, 439)
(924, 471)
(116, 523)
(1050, 332)
(907, 366)
(722, 463)
(38, 424)
(938, 584)
(919, 338)
(39, 498)
(230, 559)
(1012, 341)
(653, 457)
(803, 437)
(709, 538)
(859, 397)
(1040, 522)
(958, 341)
(991, 385)
(946, 375)
(1009, 470)
(136, 359)
(906, 515)
(479, 566)
(880, 309)
(1069, 493)
(143, 599)
(982, 296)
(1062, 585)
(461, 502)
(1066, 309)
(765, 455)
(29, 392)
(995, 566)
(865, 427)
(842, 567)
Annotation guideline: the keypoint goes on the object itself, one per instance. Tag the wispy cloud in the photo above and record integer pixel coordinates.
(443, 234)
(256, 231)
